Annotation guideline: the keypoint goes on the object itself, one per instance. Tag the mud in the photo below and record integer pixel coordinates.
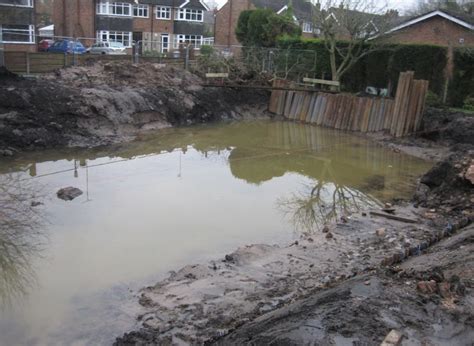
(109, 103)
(343, 285)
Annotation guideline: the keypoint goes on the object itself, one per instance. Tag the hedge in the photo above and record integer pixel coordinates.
(462, 84)
(379, 68)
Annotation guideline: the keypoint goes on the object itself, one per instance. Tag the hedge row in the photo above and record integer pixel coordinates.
(380, 68)
(462, 85)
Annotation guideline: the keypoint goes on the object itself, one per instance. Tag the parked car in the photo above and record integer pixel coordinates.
(115, 48)
(67, 46)
(44, 45)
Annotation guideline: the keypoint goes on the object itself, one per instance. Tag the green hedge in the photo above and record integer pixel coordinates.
(462, 85)
(381, 67)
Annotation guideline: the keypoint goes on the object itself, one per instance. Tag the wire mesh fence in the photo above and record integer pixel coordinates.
(45, 54)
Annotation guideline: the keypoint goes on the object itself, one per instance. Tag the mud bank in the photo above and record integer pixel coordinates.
(336, 286)
(109, 103)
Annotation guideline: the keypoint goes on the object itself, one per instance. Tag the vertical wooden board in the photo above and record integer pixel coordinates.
(380, 115)
(305, 106)
(375, 114)
(404, 108)
(347, 112)
(413, 107)
(281, 102)
(330, 110)
(421, 110)
(289, 98)
(312, 103)
(335, 120)
(353, 110)
(321, 109)
(388, 115)
(294, 106)
(342, 115)
(314, 111)
(299, 105)
(327, 109)
(402, 80)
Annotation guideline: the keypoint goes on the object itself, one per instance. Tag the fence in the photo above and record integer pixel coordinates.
(400, 116)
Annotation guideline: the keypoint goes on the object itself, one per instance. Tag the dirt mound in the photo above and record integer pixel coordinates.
(6, 75)
(447, 187)
(448, 126)
(112, 102)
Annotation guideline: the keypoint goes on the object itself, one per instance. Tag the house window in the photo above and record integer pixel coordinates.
(195, 40)
(140, 11)
(17, 33)
(163, 12)
(189, 15)
(19, 3)
(114, 8)
(122, 37)
(307, 27)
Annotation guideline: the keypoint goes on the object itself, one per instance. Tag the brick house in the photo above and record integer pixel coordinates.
(18, 25)
(440, 27)
(158, 25)
(228, 16)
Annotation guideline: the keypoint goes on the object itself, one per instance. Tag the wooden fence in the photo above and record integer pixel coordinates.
(33, 63)
(400, 116)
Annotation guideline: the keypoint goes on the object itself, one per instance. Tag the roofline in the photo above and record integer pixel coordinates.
(200, 1)
(430, 15)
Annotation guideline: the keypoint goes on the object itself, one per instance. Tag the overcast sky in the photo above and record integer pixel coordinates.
(397, 4)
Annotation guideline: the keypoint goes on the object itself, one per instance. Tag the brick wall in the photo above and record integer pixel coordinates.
(74, 18)
(436, 30)
(226, 21)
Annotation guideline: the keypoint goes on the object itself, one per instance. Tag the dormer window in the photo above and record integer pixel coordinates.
(189, 15)
(307, 27)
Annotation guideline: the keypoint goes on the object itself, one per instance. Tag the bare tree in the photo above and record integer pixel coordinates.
(347, 28)
(424, 6)
(20, 236)
(323, 202)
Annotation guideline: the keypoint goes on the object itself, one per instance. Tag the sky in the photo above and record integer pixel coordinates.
(397, 4)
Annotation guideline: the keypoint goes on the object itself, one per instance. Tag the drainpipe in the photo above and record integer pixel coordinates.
(231, 3)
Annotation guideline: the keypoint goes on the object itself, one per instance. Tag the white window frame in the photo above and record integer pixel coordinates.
(143, 11)
(30, 32)
(195, 40)
(105, 36)
(109, 8)
(182, 14)
(307, 27)
(29, 3)
(163, 12)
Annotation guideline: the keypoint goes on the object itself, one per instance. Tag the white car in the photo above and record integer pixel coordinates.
(114, 48)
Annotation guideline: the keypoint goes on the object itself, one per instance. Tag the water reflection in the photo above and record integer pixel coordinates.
(21, 237)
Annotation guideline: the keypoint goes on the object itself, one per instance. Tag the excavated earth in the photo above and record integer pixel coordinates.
(110, 102)
(351, 284)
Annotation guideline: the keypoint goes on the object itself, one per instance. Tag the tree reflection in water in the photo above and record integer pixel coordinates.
(323, 202)
(21, 238)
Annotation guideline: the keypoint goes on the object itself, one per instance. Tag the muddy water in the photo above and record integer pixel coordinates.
(177, 197)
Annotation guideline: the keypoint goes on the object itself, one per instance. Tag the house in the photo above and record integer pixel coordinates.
(439, 27)
(18, 25)
(228, 16)
(154, 25)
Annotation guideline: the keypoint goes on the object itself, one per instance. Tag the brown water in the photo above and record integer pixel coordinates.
(177, 197)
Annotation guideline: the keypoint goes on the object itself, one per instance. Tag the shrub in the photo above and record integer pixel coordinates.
(207, 50)
(469, 103)
(433, 100)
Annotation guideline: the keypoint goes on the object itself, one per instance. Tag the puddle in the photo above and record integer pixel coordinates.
(180, 196)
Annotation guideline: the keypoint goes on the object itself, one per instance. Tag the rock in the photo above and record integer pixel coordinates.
(380, 232)
(394, 338)
(427, 287)
(36, 204)
(445, 290)
(329, 235)
(6, 152)
(69, 193)
(469, 175)
(325, 229)
(344, 219)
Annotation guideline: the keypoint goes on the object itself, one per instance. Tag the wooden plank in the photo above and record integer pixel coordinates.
(393, 217)
(312, 102)
(321, 81)
(322, 109)
(305, 107)
(288, 101)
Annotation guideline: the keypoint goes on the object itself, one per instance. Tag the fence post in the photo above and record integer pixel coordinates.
(27, 58)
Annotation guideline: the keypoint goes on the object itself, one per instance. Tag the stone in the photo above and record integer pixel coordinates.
(394, 338)
(469, 175)
(427, 287)
(445, 289)
(6, 152)
(380, 232)
(325, 229)
(344, 219)
(69, 193)
(329, 235)
(36, 204)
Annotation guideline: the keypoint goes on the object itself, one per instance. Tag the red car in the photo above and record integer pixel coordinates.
(44, 45)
